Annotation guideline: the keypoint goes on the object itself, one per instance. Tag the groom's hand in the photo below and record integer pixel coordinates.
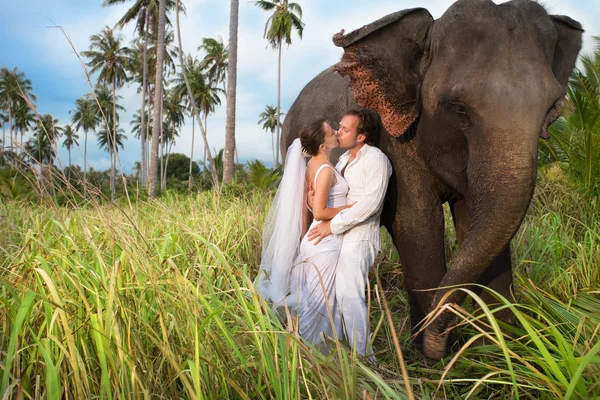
(319, 232)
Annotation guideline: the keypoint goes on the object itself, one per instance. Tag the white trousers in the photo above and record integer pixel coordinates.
(356, 258)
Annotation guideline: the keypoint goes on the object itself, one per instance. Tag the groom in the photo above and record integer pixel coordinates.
(367, 171)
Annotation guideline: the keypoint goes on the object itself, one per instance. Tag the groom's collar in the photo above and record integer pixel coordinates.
(344, 157)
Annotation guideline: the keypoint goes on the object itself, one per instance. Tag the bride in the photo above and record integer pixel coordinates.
(295, 273)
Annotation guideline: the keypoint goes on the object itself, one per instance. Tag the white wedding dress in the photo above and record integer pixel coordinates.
(312, 280)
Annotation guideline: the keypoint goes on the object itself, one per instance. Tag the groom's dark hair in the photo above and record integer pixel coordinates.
(369, 124)
(312, 136)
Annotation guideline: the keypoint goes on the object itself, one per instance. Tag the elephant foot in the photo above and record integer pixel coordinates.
(434, 344)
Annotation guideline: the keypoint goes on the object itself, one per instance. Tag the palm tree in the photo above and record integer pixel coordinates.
(137, 167)
(71, 137)
(110, 143)
(230, 145)
(268, 119)
(195, 112)
(174, 119)
(207, 98)
(194, 90)
(3, 121)
(140, 127)
(216, 59)
(14, 88)
(86, 118)
(24, 120)
(137, 128)
(105, 140)
(140, 12)
(106, 108)
(38, 148)
(285, 18)
(109, 59)
(41, 147)
(160, 55)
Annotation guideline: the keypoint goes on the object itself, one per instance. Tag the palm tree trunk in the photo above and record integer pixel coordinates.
(144, 80)
(230, 148)
(273, 147)
(112, 180)
(148, 138)
(190, 178)
(278, 106)
(163, 141)
(160, 55)
(162, 152)
(69, 174)
(167, 162)
(143, 154)
(85, 163)
(192, 99)
(3, 143)
(207, 149)
(10, 128)
(113, 138)
(165, 155)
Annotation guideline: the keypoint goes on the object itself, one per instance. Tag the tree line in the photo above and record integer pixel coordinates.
(173, 86)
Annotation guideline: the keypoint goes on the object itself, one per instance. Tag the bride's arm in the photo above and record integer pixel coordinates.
(324, 183)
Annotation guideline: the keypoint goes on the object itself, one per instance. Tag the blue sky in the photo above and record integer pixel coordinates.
(30, 43)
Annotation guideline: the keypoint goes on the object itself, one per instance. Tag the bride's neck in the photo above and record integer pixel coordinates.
(322, 156)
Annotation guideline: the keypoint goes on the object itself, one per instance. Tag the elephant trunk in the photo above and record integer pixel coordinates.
(501, 173)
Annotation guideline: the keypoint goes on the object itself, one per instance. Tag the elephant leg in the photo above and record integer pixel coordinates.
(418, 234)
(498, 277)
(498, 274)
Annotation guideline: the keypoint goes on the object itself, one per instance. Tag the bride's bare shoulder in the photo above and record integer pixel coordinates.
(312, 167)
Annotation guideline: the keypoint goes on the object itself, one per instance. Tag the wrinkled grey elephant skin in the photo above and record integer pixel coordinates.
(463, 100)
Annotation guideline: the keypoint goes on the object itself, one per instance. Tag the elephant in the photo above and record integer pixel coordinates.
(463, 100)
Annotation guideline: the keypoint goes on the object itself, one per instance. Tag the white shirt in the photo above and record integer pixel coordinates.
(367, 176)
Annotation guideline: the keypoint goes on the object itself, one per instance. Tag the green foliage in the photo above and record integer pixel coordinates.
(575, 137)
(261, 176)
(108, 58)
(216, 60)
(15, 186)
(179, 167)
(286, 17)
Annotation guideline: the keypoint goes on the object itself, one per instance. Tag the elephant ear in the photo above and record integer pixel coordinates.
(383, 61)
(568, 44)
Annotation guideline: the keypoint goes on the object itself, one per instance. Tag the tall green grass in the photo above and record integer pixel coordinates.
(154, 300)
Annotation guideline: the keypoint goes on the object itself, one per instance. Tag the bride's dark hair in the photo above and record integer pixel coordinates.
(312, 136)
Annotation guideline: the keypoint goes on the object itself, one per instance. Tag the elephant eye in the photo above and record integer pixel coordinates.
(461, 113)
(457, 107)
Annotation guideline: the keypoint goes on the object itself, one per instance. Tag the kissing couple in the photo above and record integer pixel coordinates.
(318, 270)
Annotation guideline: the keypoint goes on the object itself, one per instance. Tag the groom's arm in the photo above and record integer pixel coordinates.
(372, 199)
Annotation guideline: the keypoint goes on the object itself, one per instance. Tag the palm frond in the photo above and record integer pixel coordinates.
(266, 5)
